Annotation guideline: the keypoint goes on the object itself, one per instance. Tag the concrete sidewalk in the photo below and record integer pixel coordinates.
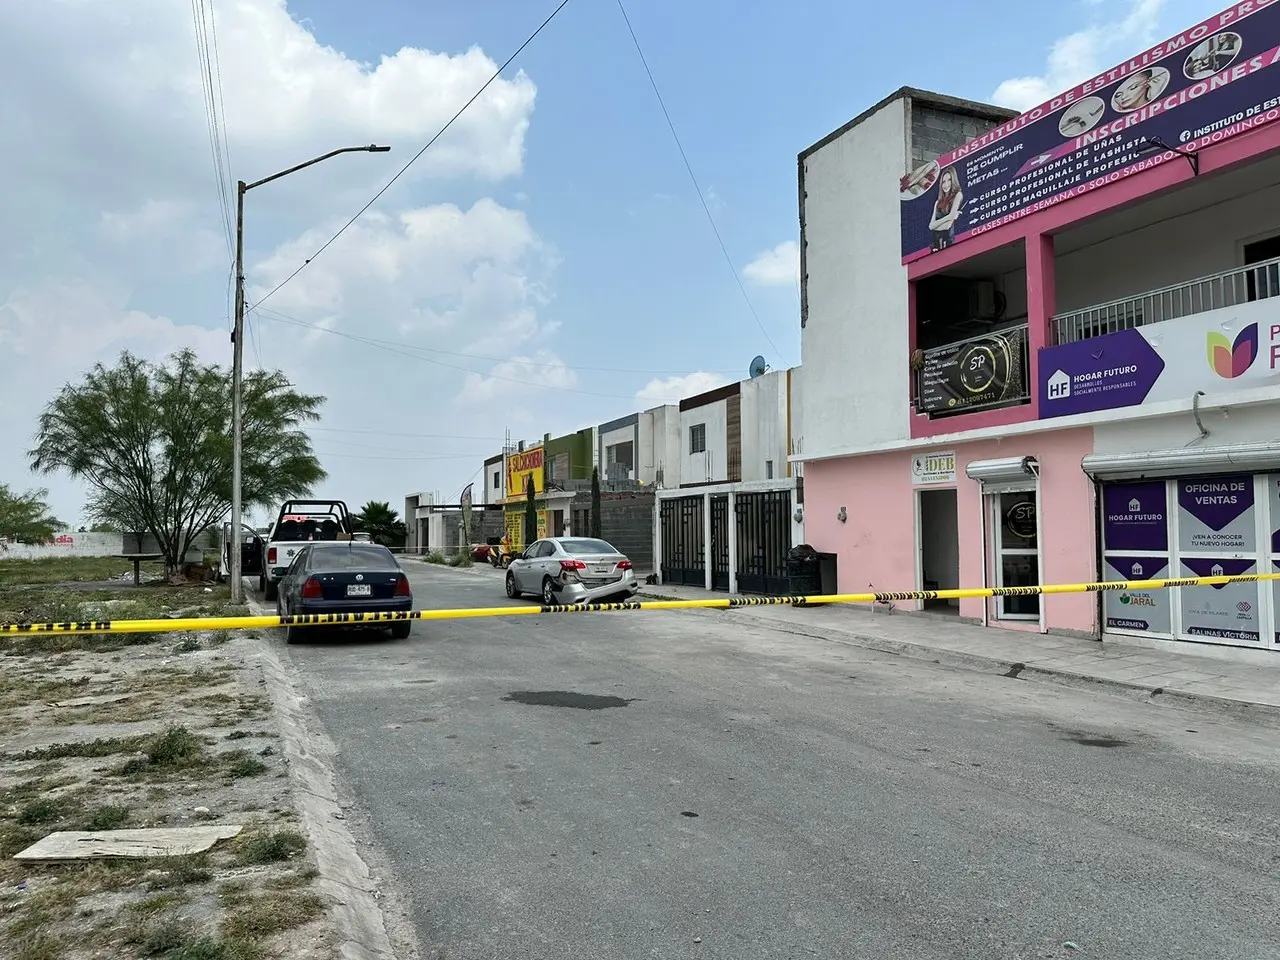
(1201, 677)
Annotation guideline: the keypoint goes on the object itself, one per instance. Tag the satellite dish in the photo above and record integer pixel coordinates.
(758, 368)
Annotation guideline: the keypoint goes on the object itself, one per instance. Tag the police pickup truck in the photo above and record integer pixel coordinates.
(300, 522)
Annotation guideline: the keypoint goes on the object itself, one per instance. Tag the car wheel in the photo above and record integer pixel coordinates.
(400, 631)
(548, 592)
(512, 590)
(270, 591)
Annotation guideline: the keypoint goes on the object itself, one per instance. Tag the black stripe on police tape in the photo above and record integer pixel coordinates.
(322, 619)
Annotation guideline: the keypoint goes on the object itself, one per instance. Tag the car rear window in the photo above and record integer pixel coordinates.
(319, 527)
(587, 546)
(353, 556)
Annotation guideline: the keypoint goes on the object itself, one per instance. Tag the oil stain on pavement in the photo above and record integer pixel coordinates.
(563, 698)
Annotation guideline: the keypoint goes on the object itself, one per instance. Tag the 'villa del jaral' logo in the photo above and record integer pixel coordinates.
(1230, 360)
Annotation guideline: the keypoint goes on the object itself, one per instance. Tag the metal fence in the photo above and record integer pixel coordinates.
(720, 542)
(683, 559)
(764, 540)
(1230, 288)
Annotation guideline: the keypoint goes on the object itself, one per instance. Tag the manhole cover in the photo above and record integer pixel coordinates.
(564, 698)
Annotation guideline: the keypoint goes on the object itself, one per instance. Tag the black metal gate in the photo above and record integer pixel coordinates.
(764, 539)
(720, 543)
(683, 559)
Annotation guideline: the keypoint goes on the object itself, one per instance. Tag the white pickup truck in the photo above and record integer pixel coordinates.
(300, 522)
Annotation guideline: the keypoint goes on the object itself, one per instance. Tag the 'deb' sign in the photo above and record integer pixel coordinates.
(1203, 86)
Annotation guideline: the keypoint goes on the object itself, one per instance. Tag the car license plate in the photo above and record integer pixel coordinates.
(601, 568)
(359, 590)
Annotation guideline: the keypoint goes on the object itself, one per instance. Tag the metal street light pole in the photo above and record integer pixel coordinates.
(237, 363)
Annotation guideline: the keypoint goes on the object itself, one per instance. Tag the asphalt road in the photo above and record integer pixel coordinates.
(756, 794)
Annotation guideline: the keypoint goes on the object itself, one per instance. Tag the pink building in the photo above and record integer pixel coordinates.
(1044, 348)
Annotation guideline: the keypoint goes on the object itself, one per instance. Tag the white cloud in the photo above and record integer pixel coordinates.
(1085, 53)
(518, 377)
(124, 246)
(672, 389)
(778, 267)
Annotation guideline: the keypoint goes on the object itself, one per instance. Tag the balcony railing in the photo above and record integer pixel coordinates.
(1227, 289)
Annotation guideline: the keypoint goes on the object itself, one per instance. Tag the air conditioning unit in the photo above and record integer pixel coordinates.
(982, 300)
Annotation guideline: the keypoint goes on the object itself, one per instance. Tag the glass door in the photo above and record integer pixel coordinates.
(1017, 551)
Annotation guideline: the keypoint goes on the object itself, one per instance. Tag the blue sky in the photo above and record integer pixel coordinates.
(588, 270)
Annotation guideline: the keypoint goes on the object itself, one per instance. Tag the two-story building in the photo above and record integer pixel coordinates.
(1043, 348)
(730, 507)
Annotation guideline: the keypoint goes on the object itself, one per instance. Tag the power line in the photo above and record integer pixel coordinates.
(215, 115)
(359, 456)
(414, 436)
(269, 314)
(701, 197)
(381, 345)
(386, 449)
(412, 160)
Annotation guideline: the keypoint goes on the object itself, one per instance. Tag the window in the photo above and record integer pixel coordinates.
(768, 469)
(497, 480)
(1017, 552)
(587, 546)
(353, 556)
(698, 438)
(1263, 281)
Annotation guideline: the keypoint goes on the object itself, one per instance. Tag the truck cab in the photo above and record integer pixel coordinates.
(300, 522)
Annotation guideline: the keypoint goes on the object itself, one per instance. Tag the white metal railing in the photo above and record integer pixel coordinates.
(1257, 281)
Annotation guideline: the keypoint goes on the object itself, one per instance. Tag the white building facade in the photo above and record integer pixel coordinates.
(1046, 348)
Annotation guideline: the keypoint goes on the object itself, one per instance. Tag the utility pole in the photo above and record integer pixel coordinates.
(237, 365)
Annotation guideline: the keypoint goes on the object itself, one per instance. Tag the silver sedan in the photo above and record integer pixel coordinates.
(571, 570)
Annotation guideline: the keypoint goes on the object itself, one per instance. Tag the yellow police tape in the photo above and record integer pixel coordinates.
(711, 603)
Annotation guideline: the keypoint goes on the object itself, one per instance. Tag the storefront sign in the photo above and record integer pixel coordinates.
(1234, 348)
(1215, 515)
(1273, 484)
(523, 468)
(1135, 516)
(929, 468)
(1020, 522)
(1226, 612)
(975, 373)
(1208, 84)
(515, 529)
(1148, 611)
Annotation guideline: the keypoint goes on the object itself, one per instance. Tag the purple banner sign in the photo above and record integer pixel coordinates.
(1227, 611)
(1135, 517)
(1273, 485)
(1217, 567)
(1136, 568)
(1143, 611)
(1101, 373)
(1215, 514)
(1205, 85)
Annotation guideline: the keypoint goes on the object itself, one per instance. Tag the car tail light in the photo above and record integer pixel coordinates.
(311, 590)
(271, 554)
(569, 566)
(624, 564)
(402, 587)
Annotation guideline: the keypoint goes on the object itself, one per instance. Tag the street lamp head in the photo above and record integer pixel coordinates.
(374, 148)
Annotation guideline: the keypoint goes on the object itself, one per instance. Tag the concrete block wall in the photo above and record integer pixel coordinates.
(935, 131)
(626, 521)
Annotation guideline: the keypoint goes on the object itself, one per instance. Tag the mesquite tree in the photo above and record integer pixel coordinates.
(153, 444)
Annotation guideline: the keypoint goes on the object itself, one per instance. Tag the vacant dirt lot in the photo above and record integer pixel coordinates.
(160, 730)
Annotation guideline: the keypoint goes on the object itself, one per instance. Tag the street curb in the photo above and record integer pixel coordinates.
(358, 920)
(984, 664)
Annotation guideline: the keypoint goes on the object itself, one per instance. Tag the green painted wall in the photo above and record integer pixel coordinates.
(572, 451)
